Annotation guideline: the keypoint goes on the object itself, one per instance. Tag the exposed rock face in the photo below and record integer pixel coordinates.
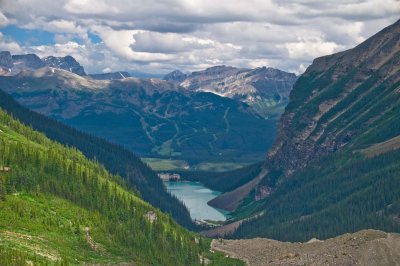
(175, 76)
(27, 61)
(347, 100)
(111, 76)
(17, 63)
(6, 60)
(337, 100)
(67, 63)
(266, 89)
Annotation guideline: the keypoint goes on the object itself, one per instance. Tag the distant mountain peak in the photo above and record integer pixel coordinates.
(266, 89)
(175, 75)
(67, 63)
(30, 61)
(22, 62)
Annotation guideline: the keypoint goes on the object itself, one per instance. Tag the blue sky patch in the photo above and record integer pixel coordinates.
(94, 38)
(28, 37)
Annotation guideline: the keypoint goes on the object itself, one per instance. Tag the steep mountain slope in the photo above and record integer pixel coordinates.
(67, 63)
(62, 207)
(266, 89)
(13, 64)
(59, 208)
(111, 76)
(148, 116)
(116, 159)
(331, 169)
(175, 76)
(346, 99)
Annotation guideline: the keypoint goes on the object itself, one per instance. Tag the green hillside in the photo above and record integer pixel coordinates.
(116, 159)
(153, 119)
(57, 207)
(340, 193)
(335, 166)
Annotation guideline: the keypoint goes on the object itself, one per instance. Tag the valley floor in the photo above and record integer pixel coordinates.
(367, 247)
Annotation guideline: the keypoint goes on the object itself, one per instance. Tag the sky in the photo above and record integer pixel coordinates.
(158, 36)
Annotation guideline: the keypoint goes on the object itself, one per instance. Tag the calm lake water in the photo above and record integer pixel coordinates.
(195, 196)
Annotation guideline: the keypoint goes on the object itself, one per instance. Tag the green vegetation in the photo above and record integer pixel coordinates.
(153, 122)
(219, 166)
(115, 158)
(270, 108)
(158, 164)
(337, 163)
(57, 207)
(341, 193)
(223, 181)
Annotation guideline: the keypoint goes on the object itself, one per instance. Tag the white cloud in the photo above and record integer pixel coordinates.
(161, 35)
(3, 20)
(8, 45)
(89, 7)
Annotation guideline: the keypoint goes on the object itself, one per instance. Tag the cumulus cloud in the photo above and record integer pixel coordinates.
(9, 45)
(161, 35)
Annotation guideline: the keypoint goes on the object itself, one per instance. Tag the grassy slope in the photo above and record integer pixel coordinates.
(55, 193)
(115, 158)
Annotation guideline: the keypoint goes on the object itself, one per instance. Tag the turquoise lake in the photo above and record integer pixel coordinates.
(195, 196)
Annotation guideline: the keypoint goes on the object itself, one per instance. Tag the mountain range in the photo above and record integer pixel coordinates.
(335, 164)
(265, 89)
(153, 117)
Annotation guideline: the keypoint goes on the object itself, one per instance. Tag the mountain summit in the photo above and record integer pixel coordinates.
(265, 89)
(12, 64)
(334, 165)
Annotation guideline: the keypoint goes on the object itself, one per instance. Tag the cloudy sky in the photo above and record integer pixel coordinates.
(158, 36)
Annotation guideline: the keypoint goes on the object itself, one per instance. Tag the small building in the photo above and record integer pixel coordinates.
(169, 176)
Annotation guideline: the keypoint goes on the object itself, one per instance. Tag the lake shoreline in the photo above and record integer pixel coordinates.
(196, 196)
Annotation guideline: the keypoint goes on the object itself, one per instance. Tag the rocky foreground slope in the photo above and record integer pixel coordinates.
(367, 247)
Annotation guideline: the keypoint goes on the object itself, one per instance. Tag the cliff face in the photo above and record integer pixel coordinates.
(342, 100)
(14, 64)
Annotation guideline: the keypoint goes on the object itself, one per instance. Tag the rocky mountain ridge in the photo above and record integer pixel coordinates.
(265, 89)
(13, 64)
(111, 75)
(334, 165)
(151, 117)
(333, 104)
